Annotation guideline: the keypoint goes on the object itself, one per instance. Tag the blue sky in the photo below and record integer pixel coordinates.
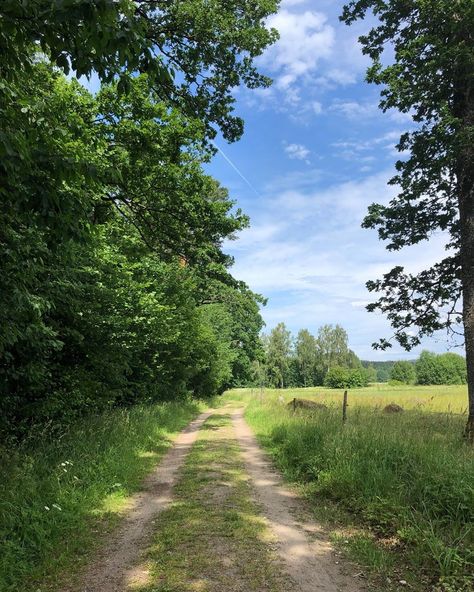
(315, 153)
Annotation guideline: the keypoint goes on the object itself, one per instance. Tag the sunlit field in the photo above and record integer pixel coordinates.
(399, 485)
(437, 399)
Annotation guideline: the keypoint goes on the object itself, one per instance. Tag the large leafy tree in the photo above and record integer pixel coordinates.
(305, 350)
(431, 76)
(278, 352)
(108, 240)
(194, 51)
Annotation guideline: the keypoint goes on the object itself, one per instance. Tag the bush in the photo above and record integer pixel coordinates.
(441, 369)
(339, 377)
(403, 372)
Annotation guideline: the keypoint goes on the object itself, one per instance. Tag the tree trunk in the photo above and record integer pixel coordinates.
(466, 211)
(467, 259)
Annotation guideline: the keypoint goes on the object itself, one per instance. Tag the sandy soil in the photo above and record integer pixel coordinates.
(116, 566)
(303, 547)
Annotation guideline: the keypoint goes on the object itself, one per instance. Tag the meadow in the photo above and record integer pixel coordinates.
(397, 490)
(63, 490)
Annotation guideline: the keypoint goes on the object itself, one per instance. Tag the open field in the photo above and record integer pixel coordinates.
(442, 399)
(397, 490)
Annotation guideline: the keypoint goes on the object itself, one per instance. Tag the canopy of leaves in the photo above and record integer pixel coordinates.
(116, 289)
(431, 79)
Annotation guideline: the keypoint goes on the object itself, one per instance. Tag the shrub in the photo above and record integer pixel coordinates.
(339, 377)
(403, 372)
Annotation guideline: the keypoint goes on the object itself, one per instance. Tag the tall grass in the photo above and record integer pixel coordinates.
(58, 491)
(407, 477)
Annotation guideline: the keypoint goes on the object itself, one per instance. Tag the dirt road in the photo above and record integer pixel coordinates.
(215, 516)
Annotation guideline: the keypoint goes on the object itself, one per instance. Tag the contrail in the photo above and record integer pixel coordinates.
(241, 175)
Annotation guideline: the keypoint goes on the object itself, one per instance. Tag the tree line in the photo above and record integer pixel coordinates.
(308, 360)
(325, 359)
(115, 288)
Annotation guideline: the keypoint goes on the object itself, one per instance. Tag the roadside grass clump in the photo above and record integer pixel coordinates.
(406, 478)
(61, 491)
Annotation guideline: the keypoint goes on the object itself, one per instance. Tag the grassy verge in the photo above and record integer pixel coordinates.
(59, 495)
(212, 538)
(401, 486)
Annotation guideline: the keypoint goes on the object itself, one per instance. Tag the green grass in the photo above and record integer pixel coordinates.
(443, 399)
(60, 494)
(212, 537)
(400, 487)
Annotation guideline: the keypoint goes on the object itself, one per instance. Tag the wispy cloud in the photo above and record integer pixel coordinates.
(297, 152)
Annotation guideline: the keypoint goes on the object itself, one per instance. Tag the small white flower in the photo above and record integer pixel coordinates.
(46, 508)
(57, 507)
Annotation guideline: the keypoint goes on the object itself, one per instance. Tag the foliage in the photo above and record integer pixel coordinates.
(447, 368)
(111, 254)
(403, 372)
(431, 46)
(306, 357)
(307, 361)
(340, 377)
(431, 78)
(278, 350)
(193, 52)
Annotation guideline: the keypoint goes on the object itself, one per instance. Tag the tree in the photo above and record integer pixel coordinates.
(440, 369)
(403, 371)
(371, 373)
(431, 78)
(116, 289)
(332, 349)
(193, 51)
(305, 349)
(278, 351)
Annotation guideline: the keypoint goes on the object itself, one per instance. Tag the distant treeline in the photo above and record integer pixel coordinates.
(383, 369)
(327, 360)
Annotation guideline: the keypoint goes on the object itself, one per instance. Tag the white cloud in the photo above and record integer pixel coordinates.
(355, 110)
(305, 38)
(308, 253)
(297, 152)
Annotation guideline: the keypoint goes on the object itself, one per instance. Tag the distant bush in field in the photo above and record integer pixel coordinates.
(447, 368)
(339, 377)
(403, 372)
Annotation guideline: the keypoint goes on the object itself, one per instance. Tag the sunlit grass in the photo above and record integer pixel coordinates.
(403, 483)
(61, 492)
(441, 399)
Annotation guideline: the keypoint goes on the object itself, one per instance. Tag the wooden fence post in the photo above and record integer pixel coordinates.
(294, 404)
(344, 408)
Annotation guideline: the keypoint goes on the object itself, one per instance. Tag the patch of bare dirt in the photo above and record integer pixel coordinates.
(304, 549)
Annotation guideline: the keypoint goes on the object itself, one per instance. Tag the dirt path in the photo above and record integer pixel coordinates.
(115, 569)
(215, 516)
(303, 547)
